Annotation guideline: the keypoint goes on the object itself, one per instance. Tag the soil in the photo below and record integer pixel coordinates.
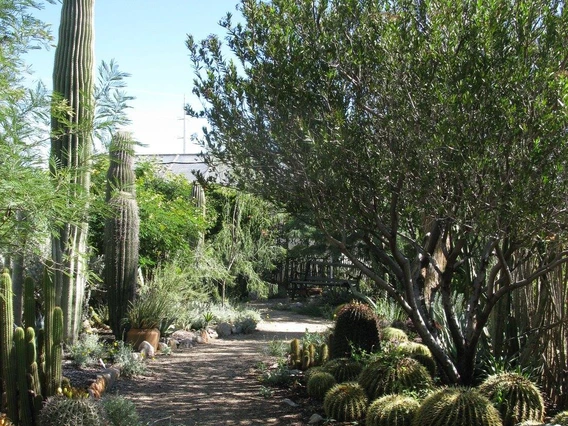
(219, 383)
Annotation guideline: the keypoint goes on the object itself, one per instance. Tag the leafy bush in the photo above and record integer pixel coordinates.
(120, 411)
(131, 364)
(87, 350)
(280, 376)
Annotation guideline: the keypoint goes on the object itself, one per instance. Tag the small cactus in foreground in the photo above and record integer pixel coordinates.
(392, 410)
(320, 383)
(343, 369)
(560, 419)
(59, 410)
(457, 407)
(345, 402)
(395, 375)
(516, 397)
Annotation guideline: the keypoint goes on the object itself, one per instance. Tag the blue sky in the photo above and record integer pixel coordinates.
(147, 39)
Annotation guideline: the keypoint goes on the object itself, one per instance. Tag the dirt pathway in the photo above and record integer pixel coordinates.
(217, 383)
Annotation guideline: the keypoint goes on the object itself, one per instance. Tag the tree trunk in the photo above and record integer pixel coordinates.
(71, 150)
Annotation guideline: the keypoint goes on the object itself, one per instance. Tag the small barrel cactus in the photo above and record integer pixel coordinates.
(391, 410)
(560, 419)
(343, 369)
(59, 410)
(395, 375)
(356, 328)
(311, 371)
(516, 397)
(392, 334)
(346, 402)
(320, 383)
(457, 407)
(420, 353)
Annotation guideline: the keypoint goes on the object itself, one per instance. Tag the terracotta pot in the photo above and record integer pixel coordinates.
(135, 336)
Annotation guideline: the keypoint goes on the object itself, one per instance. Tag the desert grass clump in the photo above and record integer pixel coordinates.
(516, 397)
(392, 410)
(457, 406)
(319, 384)
(346, 402)
(393, 373)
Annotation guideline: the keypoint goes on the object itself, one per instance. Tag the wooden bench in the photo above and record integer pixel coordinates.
(311, 286)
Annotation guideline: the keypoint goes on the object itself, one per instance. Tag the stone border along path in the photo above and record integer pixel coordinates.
(218, 383)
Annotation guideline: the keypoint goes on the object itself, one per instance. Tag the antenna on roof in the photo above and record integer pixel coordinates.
(183, 118)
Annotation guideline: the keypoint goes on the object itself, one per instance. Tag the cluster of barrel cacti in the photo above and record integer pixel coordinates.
(305, 356)
(31, 366)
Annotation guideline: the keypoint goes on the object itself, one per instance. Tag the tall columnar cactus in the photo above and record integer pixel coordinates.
(56, 369)
(516, 397)
(121, 231)
(71, 143)
(395, 375)
(47, 334)
(356, 326)
(26, 409)
(394, 409)
(457, 407)
(7, 346)
(295, 353)
(346, 402)
(198, 195)
(33, 371)
(29, 302)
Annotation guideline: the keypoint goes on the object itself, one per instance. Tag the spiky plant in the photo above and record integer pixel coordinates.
(420, 353)
(560, 419)
(394, 374)
(311, 371)
(392, 410)
(343, 369)
(515, 396)
(320, 383)
(393, 334)
(356, 328)
(295, 353)
(457, 406)
(59, 410)
(346, 402)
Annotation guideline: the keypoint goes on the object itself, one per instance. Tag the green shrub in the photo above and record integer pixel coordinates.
(457, 407)
(515, 396)
(392, 410)
(280, 376)
(87, 350)
(346, 402)
(131, 363)
(120, 411)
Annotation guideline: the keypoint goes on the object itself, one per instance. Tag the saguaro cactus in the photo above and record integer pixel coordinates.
(121, 231)
(71, 149)
(7, 346)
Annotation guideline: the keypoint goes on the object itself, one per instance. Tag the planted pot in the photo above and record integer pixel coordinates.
(135, 336)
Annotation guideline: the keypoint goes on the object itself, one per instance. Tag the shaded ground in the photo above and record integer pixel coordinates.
(218, 383)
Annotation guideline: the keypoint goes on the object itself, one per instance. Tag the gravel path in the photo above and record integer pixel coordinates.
(218, 383)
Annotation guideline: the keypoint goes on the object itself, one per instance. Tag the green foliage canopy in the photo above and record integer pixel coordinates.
(406, 126)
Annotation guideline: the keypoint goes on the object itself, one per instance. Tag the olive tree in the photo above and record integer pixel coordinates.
(432, 133)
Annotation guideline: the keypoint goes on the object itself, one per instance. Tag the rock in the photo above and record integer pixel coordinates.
(183, 335)
(315, 419)
(185, 343)
(223, 329)
(146, 349)
(162, 346)
(173, 343)
(237, 329)
(289, 402)
(212, 333)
